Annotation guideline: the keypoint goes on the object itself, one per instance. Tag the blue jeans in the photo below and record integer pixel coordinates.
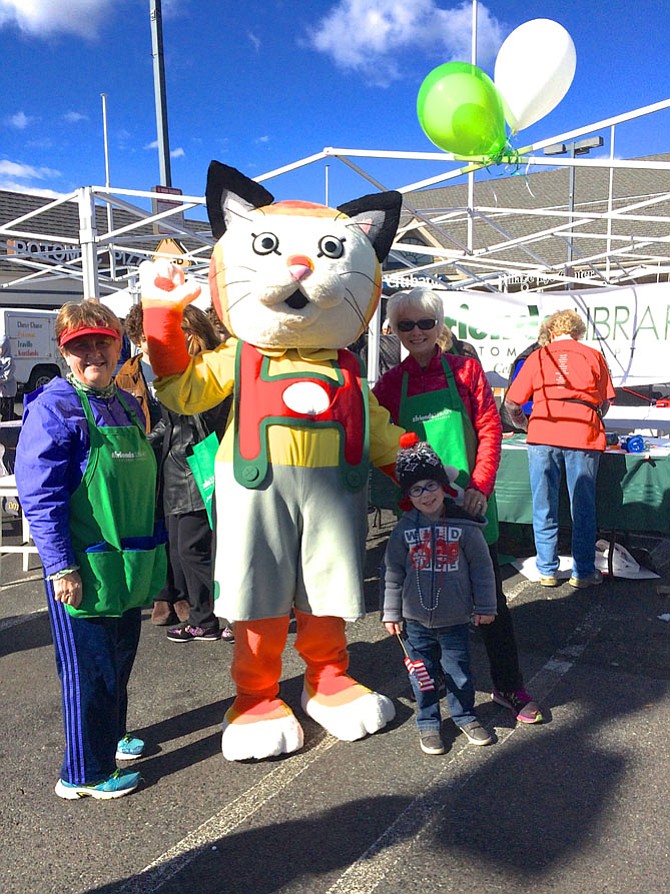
(448, 647)
(546, 465)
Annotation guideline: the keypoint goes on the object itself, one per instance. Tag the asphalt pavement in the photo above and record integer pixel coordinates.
(580, 803)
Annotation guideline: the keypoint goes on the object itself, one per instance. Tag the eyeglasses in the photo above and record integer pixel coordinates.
(430, 487)
(408, 325)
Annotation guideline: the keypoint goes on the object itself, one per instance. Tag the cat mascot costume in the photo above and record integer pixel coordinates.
(294, 282)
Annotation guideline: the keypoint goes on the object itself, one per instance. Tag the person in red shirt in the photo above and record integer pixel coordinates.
(571, 388)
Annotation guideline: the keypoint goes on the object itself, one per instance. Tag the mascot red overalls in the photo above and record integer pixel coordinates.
(295, 283)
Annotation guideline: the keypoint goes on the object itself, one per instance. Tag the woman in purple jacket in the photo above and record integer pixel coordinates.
(86, 480)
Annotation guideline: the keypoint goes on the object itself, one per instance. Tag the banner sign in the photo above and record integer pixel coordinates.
(630, 325)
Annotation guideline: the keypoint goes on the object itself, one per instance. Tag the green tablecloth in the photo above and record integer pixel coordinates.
(633, 492)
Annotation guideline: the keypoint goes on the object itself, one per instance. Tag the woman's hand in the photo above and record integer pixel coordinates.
(482, 619)
(474, 502)
(67, 589)
(393, 627)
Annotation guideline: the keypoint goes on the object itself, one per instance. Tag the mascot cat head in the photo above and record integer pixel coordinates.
(295, 274)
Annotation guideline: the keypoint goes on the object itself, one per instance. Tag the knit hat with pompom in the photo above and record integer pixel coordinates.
(417, 461)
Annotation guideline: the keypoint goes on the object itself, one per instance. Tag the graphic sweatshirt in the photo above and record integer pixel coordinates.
(438, 573)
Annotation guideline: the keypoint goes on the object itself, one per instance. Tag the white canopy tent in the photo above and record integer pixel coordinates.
(627, 242)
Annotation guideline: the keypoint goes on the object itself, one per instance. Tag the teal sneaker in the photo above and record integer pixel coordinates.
(120, 783)
(129, 748)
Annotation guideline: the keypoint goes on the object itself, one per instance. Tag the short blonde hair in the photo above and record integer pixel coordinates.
(419, 299)
(566, 322)
(543, 337)
(86, 314)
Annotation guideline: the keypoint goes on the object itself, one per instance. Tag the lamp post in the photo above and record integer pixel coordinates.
(576, 147)
(159, 91)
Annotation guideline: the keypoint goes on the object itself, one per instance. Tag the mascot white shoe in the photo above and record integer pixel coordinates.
(295, 283)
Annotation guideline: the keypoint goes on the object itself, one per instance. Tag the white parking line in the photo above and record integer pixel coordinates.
(226, 821)
(375, 865)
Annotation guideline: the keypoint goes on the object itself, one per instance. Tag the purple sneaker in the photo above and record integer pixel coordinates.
(520, 703)
(184, 633)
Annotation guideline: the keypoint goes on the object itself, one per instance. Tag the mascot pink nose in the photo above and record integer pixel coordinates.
(300, 267)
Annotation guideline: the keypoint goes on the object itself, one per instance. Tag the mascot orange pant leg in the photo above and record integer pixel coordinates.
(343, 707)
(258, 724)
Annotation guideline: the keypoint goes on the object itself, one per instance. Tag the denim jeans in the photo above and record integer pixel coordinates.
(450, 648)
(546, 465)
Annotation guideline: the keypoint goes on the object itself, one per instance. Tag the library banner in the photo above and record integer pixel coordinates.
(629, 324)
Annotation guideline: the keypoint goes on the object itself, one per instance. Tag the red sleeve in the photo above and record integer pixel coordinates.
(481, 406)
(165, 339)
(522, 387)
(387, 392)
(607, 388)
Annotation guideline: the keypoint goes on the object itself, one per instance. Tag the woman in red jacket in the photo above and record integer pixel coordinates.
(571, 389)
(446, 399)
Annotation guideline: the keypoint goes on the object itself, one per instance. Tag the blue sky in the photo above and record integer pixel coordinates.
(259, 84)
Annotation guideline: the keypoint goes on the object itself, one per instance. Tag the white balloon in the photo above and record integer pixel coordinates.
(534, 70)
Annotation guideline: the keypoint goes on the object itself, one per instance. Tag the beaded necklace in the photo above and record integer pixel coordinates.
(433, 556)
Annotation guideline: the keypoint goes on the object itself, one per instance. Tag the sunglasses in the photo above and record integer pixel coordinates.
(429, 487)
(408, 325)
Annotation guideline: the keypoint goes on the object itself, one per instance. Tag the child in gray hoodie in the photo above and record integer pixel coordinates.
(437, 578)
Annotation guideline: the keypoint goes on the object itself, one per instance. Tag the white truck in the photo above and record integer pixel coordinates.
(32, 338)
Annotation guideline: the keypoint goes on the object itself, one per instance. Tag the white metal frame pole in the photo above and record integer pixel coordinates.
(110, 217)
(88, 237)
(471, 175)
(610, 205)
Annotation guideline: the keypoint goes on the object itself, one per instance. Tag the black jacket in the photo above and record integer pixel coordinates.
(176, 435)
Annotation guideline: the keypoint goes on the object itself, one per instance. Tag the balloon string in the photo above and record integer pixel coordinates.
(507, 155)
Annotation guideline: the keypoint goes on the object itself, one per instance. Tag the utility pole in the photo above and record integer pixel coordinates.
(576, 147)
(159, 91)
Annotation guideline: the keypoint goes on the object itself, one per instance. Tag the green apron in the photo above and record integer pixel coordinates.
(122, 563)
(440, 418)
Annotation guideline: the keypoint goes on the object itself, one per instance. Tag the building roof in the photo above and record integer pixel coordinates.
(508, 238)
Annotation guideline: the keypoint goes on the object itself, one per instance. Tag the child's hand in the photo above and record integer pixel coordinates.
(483, 619)
(393, 628)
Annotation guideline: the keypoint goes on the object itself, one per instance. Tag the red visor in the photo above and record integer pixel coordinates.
(70, 334)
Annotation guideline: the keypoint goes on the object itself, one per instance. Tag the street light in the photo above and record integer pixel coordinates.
(576, 147)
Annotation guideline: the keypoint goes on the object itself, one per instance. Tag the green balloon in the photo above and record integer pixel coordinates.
(461, 111)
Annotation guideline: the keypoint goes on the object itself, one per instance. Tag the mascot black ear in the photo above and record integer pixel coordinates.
(229, 192)
(378, 215)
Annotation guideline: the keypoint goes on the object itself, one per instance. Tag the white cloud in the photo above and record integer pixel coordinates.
(42, 18)
(19, 177)
(255, 40)
(381, 38)
(25, 172)
(13, 186)
(174, 153)
(19, 120)
(263, 139)
(74, 117)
